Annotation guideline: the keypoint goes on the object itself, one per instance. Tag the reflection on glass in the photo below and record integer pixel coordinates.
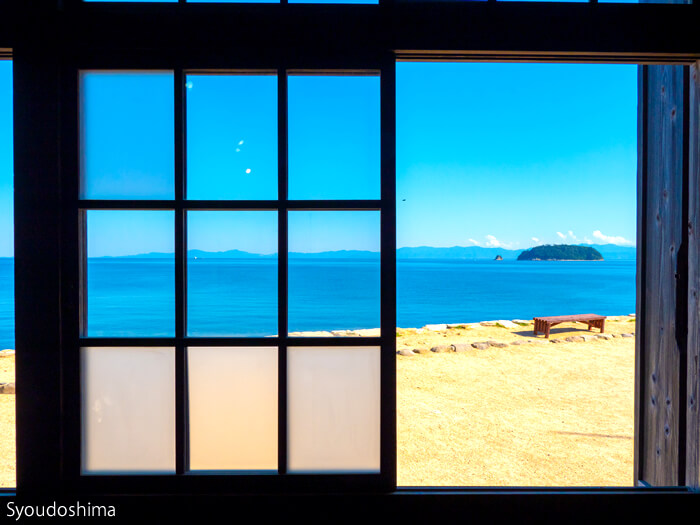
(334, 273)
(232, 273)
(127, 135)
(334, 137)
(333, 409)
(130, 273)
(128, 410)
(232, 405)
(231, 136)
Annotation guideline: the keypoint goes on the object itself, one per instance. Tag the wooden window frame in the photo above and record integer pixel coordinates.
(53, 38)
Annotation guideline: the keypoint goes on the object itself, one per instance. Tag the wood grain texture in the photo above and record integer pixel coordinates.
(693, 383)
(661, 354)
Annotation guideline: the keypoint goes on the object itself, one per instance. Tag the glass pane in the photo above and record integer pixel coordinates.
(233, 1)
(232, 136)
(232, 273)
(334, 138)
(8, 478)
(334, 2)
(334, 409)
(130, 273)
(334, 273)
(127, 135)
(232, 407)
(128, 410)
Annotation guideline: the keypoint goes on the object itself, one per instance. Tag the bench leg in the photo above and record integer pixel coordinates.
(546, 331)
(602, 326)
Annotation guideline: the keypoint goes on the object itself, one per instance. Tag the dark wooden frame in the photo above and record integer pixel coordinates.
(51, 38)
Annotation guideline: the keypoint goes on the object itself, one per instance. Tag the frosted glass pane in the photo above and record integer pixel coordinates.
(128, 410)
(232, 136)
(127, 137)
(233, 408)
(333, 409)
(334, 137)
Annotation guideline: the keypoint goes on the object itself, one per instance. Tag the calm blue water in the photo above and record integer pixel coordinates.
(239, 297)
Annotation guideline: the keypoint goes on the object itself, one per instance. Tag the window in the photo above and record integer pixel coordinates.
(213, 291)
(52, 49)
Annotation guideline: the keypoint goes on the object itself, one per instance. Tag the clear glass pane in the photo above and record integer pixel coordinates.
(233, 1)
(232, 273)
(128, 410)
(130, 273)
(232, 407)
(334, 273)
(334, 137)
(127, 135)
(8, 477)
(232, 136)
(334, 2)
(334, 409)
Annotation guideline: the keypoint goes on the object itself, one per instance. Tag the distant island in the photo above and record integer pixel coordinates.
(560, 252)
(610, 252)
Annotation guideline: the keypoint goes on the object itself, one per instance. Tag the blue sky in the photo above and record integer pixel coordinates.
(509, 155)
(515, 155)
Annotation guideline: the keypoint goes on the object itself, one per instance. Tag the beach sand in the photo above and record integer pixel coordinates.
(535, 414)
(7, 425)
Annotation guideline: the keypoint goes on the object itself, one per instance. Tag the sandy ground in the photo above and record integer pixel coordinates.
(7, 425)
(536, 414)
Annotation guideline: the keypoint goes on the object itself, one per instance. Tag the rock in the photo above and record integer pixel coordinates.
(7, 388)
(556, 341)
(575, 339)
(615, 335)
(489, 323)
(435, 327)
(518, 342)
(407, 352)
(632, 315)
(522, 322)
(7, 352)
(481, 346)
(340, 333)
(588, 337)
(421, 351)
(498, 344)
(311, 334)
(626, 335)
(498, 258)
(506, 324)
(461, 347)
(464, 326)
(441, 348)
(368, 332)
(607, 337)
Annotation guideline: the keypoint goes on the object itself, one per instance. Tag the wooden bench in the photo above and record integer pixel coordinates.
(543, 324)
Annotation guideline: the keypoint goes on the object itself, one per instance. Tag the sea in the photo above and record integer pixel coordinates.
(238, 297)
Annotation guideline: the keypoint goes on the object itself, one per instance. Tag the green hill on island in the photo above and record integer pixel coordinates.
(560, 252)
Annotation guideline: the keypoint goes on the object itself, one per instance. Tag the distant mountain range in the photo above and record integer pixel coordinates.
(610, 252)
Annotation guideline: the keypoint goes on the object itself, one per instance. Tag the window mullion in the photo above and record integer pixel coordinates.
(282, 262)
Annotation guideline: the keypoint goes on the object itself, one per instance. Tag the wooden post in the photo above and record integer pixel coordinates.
(693, 384)
(661, 339)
